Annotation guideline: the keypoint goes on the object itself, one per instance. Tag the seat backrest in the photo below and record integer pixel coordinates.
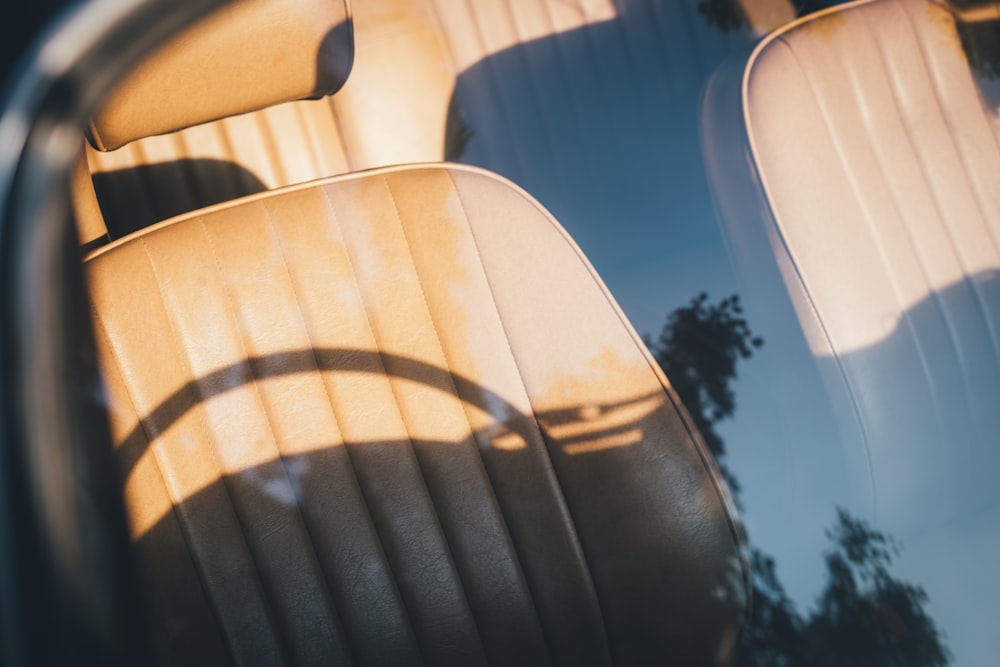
(875, 152)
(395, 418)
(347, 433)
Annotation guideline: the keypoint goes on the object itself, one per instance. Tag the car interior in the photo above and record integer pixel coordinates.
(301, 366)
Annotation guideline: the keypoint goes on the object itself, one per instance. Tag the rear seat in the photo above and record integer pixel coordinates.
(400, 105)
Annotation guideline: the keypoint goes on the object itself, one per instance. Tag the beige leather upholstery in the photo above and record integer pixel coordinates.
(246, 56)
(90, 226)
(401, 105)
(394, 418)
(393, 110)
(878, 158)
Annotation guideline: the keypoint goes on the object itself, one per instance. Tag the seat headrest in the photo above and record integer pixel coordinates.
(246, 56)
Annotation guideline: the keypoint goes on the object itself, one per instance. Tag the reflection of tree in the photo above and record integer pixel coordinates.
(698, 349)
(864, 616)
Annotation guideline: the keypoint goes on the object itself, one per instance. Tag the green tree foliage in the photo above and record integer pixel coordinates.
(698, 350)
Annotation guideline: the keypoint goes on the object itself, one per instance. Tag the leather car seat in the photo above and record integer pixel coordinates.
(394, 417)
(872, 201)
(437, 80)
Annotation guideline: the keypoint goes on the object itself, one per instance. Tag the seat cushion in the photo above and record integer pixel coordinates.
(395, 418)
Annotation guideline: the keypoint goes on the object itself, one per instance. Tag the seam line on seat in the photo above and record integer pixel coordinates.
(977, 196)
(696, 443)
(939, 98)
(338, 623)
(440, 37)
(548, 456)
(492, 85)
(265, 593)
(516, 561)
(331, 103)
(178, 519)
(559, 37)
(361, 302)
(221, 129)
(192, 183)
(179, 347)
(533, 82)
(933, 294)
(454, 388)
(265, 129)
(905, 317)
(305, 131)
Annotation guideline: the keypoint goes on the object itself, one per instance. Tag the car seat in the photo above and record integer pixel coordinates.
(855, 159)
(391, 417)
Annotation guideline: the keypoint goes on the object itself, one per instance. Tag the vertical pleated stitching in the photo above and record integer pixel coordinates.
(331, 104)
(398, 598)
(934, 296)
(439, 36)
(350, 261)
(943, 106)
(550, 467)
(984, 215)
(114, 363)
(224, 485)
(454, 390)
(563, 63)
(259, 398)
(328, 592)
(494, 85)
(483, 468)
(265, 129)
(905, 317)
(532, 80)
(304, 126)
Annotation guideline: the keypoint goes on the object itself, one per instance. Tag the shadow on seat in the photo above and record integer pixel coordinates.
(134, 198)
(395, 417)
(339, 392)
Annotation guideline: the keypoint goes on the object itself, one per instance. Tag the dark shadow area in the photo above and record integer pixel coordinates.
(371, 543)
(978, 24)
(25, 20)
(335, 59)
(305, 361)
(134, 198)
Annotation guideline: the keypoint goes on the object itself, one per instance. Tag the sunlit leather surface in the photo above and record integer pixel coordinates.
(555, 95)
(347, 434)
(237, 60)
